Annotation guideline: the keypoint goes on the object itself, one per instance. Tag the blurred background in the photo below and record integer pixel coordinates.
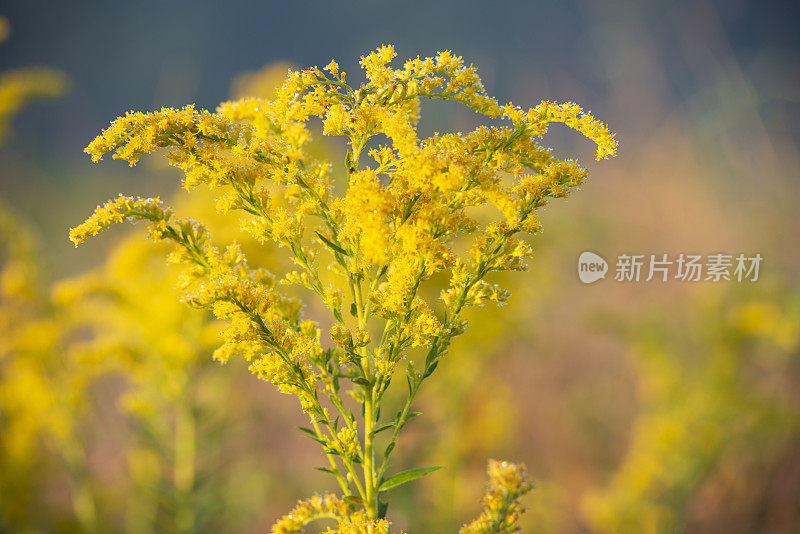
(642, 407)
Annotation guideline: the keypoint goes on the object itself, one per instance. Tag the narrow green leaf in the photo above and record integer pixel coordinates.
(430, 356)
(406, 476)
(430, 369)
(321, 442)
(382, 428)
(333, 246)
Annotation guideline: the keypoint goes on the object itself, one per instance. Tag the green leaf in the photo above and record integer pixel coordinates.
(321, 442)
(353, 309)
(406, 476)
(312, 435)
(382, 428)
(333, 246)
(431, 356)
(430, 369)
(361, 381)
(325, 470)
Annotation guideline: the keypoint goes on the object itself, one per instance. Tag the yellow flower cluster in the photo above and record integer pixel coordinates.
(501, 508)
(359, 523)
(119, 210)
(329, 506)
(326, 506)
(451, 206)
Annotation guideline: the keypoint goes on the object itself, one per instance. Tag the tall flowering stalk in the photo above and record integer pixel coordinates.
(450, 206)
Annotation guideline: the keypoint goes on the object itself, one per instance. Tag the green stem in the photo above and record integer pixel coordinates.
(371, 503)
(371, 497)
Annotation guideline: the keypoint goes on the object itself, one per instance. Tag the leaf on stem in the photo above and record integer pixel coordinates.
(406, 476)
(383, 427)
(333, 246)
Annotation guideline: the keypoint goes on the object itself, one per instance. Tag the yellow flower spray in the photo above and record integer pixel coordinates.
(410, 209)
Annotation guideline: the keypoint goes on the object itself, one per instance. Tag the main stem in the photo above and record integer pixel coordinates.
(370, 491)
(369, 455)
(368, 461)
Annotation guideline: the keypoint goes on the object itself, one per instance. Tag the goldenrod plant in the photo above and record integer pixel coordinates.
(700, 406)
(124, 320)
(159, 347)
(39, 393)
(408, 212)
(43, 394)
(57, 352)
(120, 322)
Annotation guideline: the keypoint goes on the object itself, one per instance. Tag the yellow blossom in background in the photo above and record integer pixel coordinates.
(127, 321)
(501, 508)
(260, 83)
(43, 393)
(5, 29)
(697, 409)
(19, 86)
